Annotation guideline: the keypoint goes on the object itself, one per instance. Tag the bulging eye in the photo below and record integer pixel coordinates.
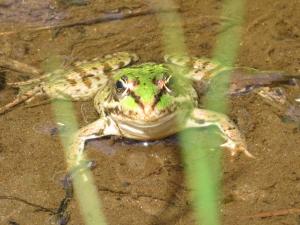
(119, 84)
(120, 87)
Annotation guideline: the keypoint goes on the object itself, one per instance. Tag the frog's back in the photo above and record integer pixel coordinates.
(82, 80)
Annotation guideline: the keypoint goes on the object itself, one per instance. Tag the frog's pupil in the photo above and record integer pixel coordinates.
(119, 85)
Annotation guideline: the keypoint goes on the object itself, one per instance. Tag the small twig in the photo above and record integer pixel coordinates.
(18, 66)
(281, 212)
(43, 102)
(38, 207)
(11, 222)
(258, 20)
(60, 214)
(119, 14)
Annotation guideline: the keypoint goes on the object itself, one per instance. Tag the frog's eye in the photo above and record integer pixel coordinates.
(120, 86)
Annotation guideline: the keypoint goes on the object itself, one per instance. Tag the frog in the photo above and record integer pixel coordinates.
(144, 102)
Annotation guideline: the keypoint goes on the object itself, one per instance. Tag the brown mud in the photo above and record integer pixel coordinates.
(137, 184)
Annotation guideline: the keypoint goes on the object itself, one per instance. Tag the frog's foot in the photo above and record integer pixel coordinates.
(277, 98)
(274, 96)
(75, 159)
(235, 141)
(236, 148)
(25, 97)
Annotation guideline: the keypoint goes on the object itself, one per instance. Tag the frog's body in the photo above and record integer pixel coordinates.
(149, 101)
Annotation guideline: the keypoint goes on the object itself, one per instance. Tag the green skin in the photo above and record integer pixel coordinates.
(145, 92)
(146, 89)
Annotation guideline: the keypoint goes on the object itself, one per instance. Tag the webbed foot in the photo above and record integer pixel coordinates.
(235, 141)
(236, 149)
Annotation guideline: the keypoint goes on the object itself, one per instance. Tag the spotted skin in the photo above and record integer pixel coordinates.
(80, 82)
(144, 102)
(151, 101)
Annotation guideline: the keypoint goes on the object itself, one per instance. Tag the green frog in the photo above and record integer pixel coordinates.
(145, 102)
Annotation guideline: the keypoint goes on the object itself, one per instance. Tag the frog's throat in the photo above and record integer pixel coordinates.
(148, 130)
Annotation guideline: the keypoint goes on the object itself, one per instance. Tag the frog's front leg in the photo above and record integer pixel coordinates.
(235, 141)
(99, 128)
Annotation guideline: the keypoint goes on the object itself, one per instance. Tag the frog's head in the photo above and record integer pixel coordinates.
(146, 92)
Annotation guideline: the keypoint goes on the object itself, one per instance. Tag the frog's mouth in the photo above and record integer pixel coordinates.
(148, 130)
(142, 113)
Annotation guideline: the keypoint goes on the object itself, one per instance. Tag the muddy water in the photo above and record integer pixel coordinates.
(138, 184)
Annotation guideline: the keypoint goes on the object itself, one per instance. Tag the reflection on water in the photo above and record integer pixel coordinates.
(107, 144)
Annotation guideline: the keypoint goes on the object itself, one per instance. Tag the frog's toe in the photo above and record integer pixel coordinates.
(245, 152)
(235, 149)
